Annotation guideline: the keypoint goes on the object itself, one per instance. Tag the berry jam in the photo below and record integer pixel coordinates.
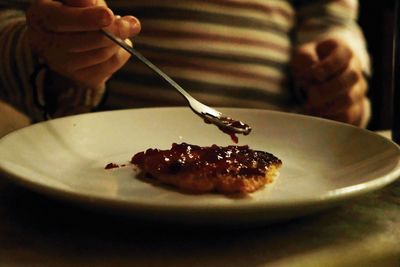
(238, 161)
(229, 122)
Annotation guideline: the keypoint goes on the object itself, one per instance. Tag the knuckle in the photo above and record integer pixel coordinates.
(354, 113)
(353, 76)
(349, 98)
(118, 60)
(363, 86)
(122, 57)
(115, 61)
(357, 93)
(349, 51)
(104, 54)
(114, 64)
(347, 115)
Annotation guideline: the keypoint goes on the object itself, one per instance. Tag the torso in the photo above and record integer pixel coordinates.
(224, 52)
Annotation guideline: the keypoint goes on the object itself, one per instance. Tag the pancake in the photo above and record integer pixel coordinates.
(195, 169)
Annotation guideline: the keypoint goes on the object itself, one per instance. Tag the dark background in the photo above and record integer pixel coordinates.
(376, 20)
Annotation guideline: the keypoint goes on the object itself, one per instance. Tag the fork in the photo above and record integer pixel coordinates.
(210, 115)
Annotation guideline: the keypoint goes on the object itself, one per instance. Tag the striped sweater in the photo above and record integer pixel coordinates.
(224, 52)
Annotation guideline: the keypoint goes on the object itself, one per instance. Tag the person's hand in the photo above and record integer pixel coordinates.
(67, 37)
(332, 79)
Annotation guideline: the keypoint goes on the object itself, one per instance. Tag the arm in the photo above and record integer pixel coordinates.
(331, 60)
(78, 59)
(17, 63)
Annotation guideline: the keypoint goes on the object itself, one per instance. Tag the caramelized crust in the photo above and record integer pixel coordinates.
(195, 169)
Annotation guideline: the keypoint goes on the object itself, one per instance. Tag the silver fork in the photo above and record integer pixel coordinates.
(210, 115)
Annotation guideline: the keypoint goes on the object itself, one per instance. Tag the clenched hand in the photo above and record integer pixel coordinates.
(332, 79)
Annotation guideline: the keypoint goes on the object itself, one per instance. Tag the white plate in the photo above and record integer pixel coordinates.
(324, 163)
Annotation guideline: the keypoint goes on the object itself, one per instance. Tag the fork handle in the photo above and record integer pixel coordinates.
(147, 62)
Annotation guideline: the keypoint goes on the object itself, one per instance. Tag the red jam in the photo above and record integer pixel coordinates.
(113, 166)
(239, 161)
(236, 124)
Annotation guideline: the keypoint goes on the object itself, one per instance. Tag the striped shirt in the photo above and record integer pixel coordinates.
(224, 52)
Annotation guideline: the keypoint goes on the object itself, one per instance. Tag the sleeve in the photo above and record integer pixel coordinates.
(28, 85)
(323, 19)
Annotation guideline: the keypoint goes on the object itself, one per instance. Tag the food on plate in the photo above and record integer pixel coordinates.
(113, 165)
(196, 169)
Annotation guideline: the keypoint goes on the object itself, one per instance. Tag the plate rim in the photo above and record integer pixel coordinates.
(332, 197)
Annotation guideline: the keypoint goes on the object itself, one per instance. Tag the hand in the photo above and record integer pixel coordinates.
(332, 78)
(67, 37)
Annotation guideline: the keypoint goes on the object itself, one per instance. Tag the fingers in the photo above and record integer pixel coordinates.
(124, 28)
(53, 16)
(83, 3)
(81, 41)
(91, 70)
(339, 86)
(343, 101)
(79, 3)
(345, 107)
(332, 78)
(334, 57)
(304, 57)
(87, 59)
(98, 74)
(66, 36)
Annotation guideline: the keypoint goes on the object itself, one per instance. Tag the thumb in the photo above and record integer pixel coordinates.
(304, 58)
(325, 48)
(334, 56)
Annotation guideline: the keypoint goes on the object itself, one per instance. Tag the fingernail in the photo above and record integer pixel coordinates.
(135, 28)
(134, 24)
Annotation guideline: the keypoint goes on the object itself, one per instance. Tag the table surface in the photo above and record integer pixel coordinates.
(39, 231)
